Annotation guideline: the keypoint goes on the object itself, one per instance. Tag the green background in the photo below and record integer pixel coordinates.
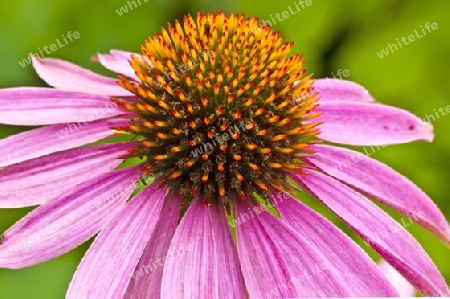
(332, 35)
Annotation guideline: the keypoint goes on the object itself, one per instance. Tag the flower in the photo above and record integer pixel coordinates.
(228, 127)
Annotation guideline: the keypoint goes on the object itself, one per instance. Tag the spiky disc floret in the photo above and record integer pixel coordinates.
(222, 111)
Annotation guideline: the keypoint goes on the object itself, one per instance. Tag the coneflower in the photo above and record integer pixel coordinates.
(229, 128)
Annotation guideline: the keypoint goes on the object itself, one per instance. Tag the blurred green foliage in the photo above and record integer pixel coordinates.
(332, 35)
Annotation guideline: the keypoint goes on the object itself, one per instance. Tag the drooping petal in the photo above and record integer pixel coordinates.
(117, 248)
(205, 263)
(118, 62)
(125, 55)
(403, 287)
(43, 141)
(65, 223)
(43, 179)
(382, 183)
(146, 280)
(28, 106)
(279, 263)
(67, 76)
(385, 235)
(331, 89)
(359, 272)
(357, 123)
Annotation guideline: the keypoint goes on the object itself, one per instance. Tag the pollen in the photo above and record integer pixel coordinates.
(222, 108)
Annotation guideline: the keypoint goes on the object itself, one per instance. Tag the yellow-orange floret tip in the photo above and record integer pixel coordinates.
(222, 108)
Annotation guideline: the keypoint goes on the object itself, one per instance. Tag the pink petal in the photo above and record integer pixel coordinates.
(118, 62)
(54, 175)
(147, 277)
(106, 269)
(358, 271)
(385, 235)
(357, 123)
(124, 55)
(403, 287)
(341, 90)
(383, 183)
(47, 140)
(277, 262)
(48, 106)
(206, 263)
(67, 76)
(65, 223)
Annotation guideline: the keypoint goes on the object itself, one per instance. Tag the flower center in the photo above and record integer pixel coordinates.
(221, 110)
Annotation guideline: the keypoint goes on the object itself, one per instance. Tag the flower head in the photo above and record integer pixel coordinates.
(215, 108)
(229, 128)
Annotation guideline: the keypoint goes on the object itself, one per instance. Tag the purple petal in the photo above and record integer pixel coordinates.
(341, 90)
(106, 269)
(43, 141)
(147, 277)
(205, 263)
(359, 272)
(279, 263)
(357, 123)
(403, 287)
(118, 62)
(48, 106)
(55, 175)
(65, 223)
(67, 76)
(383, 183)
(385, 235)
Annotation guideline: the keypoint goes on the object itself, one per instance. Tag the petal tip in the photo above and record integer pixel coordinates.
(428, 130)
(424, 128)
(37, 63)
(365, 96)
(369, 98)
(95, 58)
(33, 58)
(446, 237)
(36, 59)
